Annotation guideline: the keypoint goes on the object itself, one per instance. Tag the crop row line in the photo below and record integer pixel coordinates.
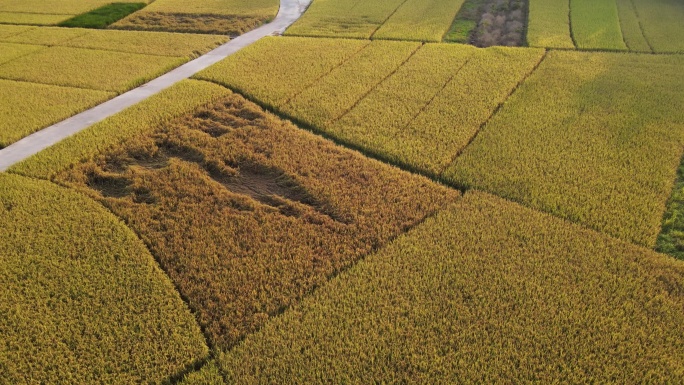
(494, 112)
(432, 99)
(572, 34)
(387, 19)
(641, 25)
(316, 80)
(365, 95)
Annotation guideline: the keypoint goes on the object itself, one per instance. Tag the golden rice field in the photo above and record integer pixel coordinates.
(406, 102)
(577, 141)
(224, 17)
(637, 25)
(241, 218)
(421, 20)
(82, 300)
(484, 292)
(48, 12)
(140, 119)
(355, 202)
(48, 104)
(58, 72)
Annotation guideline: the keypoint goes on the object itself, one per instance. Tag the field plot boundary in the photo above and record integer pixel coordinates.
(290, 11)
(484, 124)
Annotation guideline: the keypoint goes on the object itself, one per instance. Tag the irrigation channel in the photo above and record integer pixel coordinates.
(289, 12)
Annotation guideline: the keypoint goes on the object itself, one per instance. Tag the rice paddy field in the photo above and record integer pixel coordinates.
(58, 72)
(223, 17)
(371, 198)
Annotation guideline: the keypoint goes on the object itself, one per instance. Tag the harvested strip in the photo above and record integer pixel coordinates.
(579, 140)
(140, 119)
(271, 69)
(27, 107)
(427, 136)
(421, 20)
(9, 51)
(31, 18)
(333, 95)
(549, 24)
(150, 43)
(81, 298)
(247, 214)
(486, 292)
(344, 18)
(85, 68)
(596, 25)
(631, 28)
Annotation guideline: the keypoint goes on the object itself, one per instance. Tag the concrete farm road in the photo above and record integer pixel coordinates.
(289, 12)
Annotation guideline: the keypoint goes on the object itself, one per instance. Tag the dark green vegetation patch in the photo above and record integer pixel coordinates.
(671, 237)
(103, 16)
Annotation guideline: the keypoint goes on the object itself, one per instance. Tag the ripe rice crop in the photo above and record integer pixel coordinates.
(485, 292)
(209, 374)
(230, 25)
(272, 71)
(84, 68)
(579, 139)
(246, 213)
(46, 36)
(332, 95)
(344, 18)
(11, 30)
(548, 24)
(55, 7)
(421, 20)
(82, 300)
(9, 51)
(595, 24)
(226, 17)
(28, 107)
(420, 113)
(31, 18)
(429, 110)
(150, 43)
(267, 8)
(139, 119)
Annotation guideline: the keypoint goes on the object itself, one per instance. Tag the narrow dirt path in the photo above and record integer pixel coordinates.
(290, 11)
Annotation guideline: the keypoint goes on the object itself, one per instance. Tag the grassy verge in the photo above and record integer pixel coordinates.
(671, 237)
